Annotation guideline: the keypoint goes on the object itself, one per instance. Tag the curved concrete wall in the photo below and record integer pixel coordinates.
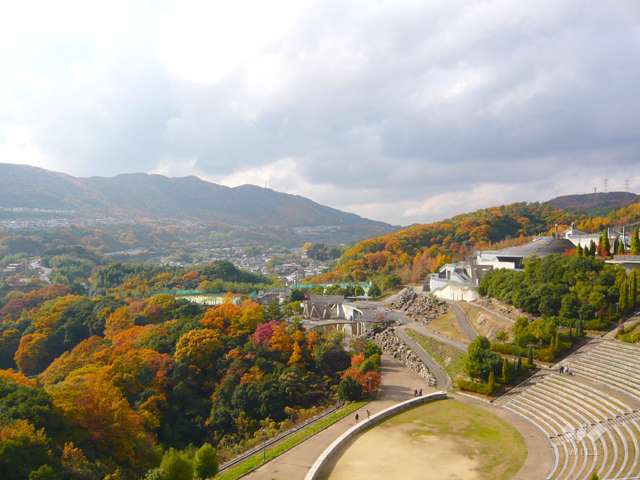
(331, 450)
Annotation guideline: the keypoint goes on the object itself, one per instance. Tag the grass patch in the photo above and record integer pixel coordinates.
(497, 446)
(447, 325)
(448, 357)
(258, 459)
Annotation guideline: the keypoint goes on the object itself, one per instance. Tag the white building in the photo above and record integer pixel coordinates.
(460, 281)
(584, 239)
(513, 258)
(455, 281)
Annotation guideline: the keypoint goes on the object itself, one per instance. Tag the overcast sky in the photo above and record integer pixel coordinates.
(404, 111)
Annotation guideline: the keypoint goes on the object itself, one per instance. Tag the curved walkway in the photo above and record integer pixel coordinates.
(398, 384)
(463, 321)
(443, 381)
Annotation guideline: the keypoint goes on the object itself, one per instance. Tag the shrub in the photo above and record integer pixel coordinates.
(471, 386)
(349, 390)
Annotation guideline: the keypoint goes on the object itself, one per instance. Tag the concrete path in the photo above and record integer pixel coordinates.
(422, 330)
(463, 321)
(443, 381)
(398, 384)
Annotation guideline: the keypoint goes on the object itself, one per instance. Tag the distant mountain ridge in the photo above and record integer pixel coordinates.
(599, 203)
(148, 196)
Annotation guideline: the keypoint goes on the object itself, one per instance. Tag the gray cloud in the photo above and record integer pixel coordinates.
(402, 111)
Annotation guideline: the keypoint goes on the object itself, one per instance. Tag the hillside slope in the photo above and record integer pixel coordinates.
(407, 255)
(143, 196)
(594, 203)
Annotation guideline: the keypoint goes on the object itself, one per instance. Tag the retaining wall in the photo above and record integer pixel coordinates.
(334, 448)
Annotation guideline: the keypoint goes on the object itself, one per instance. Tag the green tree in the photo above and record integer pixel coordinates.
(176, 466)
(480, 359)
(592, 248)
(620, 247)
(635, 242)
(205, 462)
(633, 289)
(45, 472)
(579, 328)
(605, 244)
(349, 390)
(273, 311)
(579, 251)
(623, 301)
(506, 371)
(530, 357)
(374, 291)
(491, 383)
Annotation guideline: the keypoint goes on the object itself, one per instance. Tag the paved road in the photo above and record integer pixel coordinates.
(443, 381)
(463, 321)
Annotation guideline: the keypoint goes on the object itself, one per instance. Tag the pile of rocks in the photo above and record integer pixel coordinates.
(419, 306)
(392, 345)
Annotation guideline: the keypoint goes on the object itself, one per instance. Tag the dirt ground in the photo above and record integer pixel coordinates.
(404, 456)
(448, 326)
(445, 440)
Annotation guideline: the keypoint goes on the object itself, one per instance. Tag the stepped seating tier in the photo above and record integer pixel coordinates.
(589, 430)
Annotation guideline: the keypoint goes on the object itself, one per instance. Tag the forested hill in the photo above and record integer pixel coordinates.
(594, 203)
(407, 255)
(141, 195)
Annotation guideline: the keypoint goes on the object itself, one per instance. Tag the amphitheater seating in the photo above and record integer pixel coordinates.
(588, 430)
(612, 363)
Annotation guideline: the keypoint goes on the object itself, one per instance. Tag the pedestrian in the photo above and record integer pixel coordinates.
(415, 392)
(357, 418)
(368, 414)
(420, 392)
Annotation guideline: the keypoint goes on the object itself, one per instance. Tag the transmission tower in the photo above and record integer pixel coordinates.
(626, 185)
(606, 185)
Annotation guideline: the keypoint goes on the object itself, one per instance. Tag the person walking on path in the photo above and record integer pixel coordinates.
(357, 417)
(368, 414)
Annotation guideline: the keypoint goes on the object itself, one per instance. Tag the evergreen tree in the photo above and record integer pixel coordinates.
(635, 242)
(623, 302)
(506, 371)
(592, 249)
(491, 383)
(606, 244)
(519, 365)
(579, 328)
(620, 247)
(530, 357)
(633, 289)
(579, 251)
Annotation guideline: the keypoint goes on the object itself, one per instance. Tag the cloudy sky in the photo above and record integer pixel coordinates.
(404, 111)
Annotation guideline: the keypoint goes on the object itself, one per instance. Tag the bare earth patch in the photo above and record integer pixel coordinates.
(447, 325)
(444, 440)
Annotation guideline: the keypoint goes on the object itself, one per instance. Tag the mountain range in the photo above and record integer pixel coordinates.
(27, 190)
